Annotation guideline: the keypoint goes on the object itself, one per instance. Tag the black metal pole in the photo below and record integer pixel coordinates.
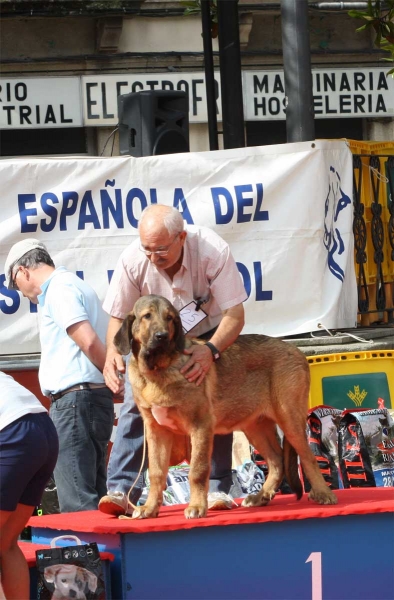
(300, 123)
(230, 74)
(209, 75)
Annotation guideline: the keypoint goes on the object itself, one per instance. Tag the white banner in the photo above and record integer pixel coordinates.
(285, 210)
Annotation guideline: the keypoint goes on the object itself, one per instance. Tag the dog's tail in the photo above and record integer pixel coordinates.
(290, 459)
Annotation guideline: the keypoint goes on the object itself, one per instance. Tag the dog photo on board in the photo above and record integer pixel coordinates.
(258, 383)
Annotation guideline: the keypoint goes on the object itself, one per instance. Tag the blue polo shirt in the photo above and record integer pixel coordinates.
(66, 299)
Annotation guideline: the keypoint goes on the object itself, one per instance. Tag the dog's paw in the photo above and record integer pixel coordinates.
(323, 497)
(195, 512)
(144, 512)
(254, 500)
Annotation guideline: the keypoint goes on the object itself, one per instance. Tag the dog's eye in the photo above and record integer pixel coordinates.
(170, 318)
(146, 316)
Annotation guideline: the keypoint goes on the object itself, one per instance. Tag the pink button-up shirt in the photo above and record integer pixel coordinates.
(208, 271)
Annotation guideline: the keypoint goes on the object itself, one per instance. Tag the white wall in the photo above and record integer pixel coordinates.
(172, 34)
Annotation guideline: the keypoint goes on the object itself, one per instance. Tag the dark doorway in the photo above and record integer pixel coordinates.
(264, 133)
(35, 142)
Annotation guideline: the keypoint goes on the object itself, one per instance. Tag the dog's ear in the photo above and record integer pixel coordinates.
(88, 577)
(179, 336)
(123, 337)
(51, 572)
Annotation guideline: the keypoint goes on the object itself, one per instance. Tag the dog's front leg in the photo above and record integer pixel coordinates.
(159, 442)
(200, 465)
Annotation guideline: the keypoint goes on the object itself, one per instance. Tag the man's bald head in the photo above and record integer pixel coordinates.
(158, 216)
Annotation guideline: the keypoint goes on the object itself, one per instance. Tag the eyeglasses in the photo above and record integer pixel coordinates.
(13, 279)
(161, 252)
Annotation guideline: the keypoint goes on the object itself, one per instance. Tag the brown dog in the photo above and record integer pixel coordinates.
(257, 383)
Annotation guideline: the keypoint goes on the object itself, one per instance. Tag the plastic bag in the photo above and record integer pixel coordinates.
(322, 434)
(70, 571)
(366, 448)
(250, 477)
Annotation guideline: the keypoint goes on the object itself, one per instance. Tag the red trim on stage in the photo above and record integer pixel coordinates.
(282, 508)
(29, 551)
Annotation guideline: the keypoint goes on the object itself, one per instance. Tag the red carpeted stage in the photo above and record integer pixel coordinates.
(288, 550)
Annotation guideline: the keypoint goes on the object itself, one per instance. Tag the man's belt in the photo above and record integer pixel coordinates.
(77, 388)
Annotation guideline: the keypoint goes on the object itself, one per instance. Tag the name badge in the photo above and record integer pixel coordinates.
(191, 317)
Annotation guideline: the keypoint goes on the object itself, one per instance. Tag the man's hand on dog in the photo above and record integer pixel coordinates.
(113, 368)
(198, 365)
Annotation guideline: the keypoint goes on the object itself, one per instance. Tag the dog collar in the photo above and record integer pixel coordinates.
(214, 350)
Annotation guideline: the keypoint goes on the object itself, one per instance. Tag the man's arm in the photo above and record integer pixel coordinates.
(229, 328)
(113, 362)
(86, 338)
(227, 332)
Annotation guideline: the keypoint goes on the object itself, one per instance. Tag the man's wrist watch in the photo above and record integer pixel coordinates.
(214, 350)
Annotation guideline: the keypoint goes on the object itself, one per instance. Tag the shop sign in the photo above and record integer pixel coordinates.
(91, 101)
(100, 94)
(345, 93)
(30, 103)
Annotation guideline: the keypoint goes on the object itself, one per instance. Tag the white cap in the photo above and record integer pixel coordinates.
(15, 254)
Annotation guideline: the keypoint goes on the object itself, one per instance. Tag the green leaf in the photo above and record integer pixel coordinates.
(356, 14)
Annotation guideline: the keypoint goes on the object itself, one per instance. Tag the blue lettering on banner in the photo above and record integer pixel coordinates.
(243, 202)
(135, 193)
(69, 208)
(180, 203)
(220, 217)
(11, 295)
(49, 210)
(115, 208)
(261, 295)
(25, 213)
(88, 212)
(14, 297)
(244, 199)
(108, 206)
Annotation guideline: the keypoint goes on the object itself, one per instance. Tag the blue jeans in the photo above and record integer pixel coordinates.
(84, 421)
(126, 454)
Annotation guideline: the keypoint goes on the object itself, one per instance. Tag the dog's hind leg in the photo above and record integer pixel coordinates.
(159, 442)
(295, 435)
(263, 436)
(291, 408)
(200, 465)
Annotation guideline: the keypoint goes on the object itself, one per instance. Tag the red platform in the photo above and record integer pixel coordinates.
(282, 508)
(276, 552)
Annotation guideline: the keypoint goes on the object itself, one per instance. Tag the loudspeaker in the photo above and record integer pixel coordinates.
(153, 122)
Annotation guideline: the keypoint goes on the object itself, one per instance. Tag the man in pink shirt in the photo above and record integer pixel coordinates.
(188, 267)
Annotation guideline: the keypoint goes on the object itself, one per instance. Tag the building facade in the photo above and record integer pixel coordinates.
(64, 63)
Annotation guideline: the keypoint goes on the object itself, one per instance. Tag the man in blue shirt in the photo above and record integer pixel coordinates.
(72, 334)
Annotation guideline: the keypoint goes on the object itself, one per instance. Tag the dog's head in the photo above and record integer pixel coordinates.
(153, 330)
(70, 581)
